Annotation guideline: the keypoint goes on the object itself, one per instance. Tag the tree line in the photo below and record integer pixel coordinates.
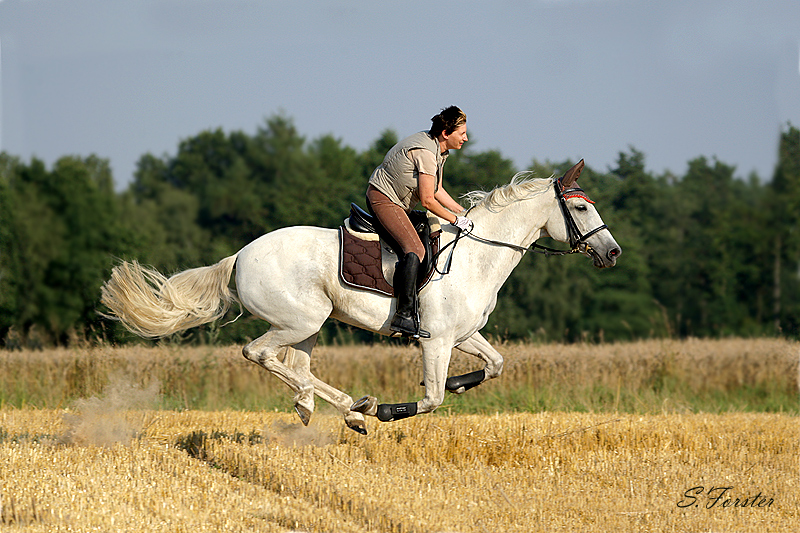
(705, 254)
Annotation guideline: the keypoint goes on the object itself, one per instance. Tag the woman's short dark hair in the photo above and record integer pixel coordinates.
(447, 121)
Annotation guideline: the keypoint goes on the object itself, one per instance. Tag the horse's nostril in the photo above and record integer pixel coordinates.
(614, 253)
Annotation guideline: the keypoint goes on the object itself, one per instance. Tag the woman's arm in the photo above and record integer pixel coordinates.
(437, 202)
(447, 201)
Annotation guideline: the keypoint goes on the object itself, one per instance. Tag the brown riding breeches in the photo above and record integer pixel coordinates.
(395, 220)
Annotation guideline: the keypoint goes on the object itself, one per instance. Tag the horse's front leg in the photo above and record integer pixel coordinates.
(479, 347)
(435, 361)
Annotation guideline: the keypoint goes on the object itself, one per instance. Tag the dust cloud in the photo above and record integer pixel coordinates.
(288, 434)
(111, 418)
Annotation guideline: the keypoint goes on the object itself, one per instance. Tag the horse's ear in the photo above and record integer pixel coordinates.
(572, 175)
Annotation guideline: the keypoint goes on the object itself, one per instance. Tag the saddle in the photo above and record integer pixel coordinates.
(368, 255)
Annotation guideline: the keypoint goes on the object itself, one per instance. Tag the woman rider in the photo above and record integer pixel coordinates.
(411, 173)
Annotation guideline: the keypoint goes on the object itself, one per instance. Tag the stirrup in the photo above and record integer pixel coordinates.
(400, 324)
(421, 334)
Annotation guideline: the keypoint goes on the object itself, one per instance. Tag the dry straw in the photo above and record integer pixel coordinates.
(232, 471)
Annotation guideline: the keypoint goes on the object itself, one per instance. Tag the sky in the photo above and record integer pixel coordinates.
(545, 80)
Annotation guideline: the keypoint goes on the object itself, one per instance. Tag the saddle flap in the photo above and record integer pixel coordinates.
(367, 263)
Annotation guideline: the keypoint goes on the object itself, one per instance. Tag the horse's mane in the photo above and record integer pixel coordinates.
(523, 185)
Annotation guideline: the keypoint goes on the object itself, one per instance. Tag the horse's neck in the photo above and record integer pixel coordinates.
(519, 223)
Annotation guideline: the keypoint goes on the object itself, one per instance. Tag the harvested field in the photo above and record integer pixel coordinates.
(238, 471)
(648, 436)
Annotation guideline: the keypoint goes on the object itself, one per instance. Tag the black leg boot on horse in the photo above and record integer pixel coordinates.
(406, 318)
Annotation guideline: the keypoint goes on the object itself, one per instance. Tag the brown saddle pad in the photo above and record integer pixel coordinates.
(361, 263)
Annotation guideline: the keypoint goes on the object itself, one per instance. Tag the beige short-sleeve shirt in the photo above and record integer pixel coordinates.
(398, 175)
(424, 161)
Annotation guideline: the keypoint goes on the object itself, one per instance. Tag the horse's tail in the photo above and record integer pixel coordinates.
(152, 305)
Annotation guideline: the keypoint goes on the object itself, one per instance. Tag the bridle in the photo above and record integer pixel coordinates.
(577, 240)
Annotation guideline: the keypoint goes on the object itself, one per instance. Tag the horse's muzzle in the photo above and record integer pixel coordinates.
(608, 261)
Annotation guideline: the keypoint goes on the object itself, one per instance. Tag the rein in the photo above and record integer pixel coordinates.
(577, 240)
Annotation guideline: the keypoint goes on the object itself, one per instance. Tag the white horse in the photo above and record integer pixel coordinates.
(289, 278)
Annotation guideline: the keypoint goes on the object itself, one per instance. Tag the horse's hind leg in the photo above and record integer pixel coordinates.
(264, 352)
(298, 358)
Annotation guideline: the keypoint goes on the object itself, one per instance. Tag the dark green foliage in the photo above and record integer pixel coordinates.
(705, 254)
(784, 233)
(62, 227)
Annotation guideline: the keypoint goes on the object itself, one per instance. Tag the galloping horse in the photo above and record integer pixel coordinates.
(289, 278)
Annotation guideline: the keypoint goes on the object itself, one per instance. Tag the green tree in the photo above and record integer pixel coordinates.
(165, 216)
(466, 171)
(65, 228)
(705, 253)
(9, 245)
(707, 272)
(784, 229)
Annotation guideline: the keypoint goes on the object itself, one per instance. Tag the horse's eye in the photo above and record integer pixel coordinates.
(580, 207)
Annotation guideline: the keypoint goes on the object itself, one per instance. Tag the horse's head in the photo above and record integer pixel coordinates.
(576, 221)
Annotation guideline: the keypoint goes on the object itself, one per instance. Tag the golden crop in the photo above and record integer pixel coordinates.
(549, 376)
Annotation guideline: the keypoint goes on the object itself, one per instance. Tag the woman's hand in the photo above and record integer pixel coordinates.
(463, 223)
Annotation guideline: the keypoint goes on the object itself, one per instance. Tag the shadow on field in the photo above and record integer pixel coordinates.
(197, 443)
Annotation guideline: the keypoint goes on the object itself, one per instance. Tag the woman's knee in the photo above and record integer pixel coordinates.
(419, 250)
(410, 242)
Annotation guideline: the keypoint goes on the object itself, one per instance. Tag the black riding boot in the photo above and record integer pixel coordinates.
(406, 319)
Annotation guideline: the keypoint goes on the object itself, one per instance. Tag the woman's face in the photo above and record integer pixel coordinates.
(455, 140)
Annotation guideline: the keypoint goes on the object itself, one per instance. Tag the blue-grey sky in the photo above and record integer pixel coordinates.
(544, 79)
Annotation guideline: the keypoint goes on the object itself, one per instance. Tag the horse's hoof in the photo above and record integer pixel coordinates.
(358, 427)
(303, 413)
(368, 405)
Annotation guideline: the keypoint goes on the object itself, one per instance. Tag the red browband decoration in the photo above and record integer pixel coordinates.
(578, 194)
